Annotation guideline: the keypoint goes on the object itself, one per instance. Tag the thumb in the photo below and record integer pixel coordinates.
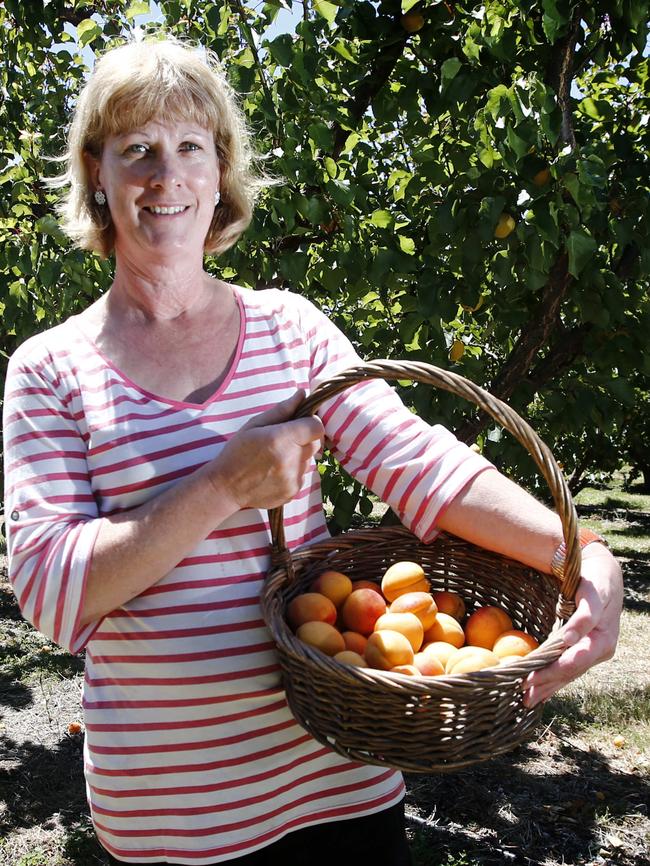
(282, 411)
(582, 621)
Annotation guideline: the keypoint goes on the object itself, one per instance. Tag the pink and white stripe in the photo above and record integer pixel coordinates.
(191, 752)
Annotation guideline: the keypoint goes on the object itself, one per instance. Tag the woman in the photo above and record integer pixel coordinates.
(145, 439)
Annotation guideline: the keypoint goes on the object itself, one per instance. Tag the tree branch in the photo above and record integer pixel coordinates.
(74, 16)
(540, 327)
(568, 347)
(559, 75)
(251, 44)
(384, 63)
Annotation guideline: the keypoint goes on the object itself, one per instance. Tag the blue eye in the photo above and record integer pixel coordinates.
(137, 148)
(190, 145)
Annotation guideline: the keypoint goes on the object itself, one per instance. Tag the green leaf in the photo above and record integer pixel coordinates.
(581, 248)
(381, 218)
(321, 135)
(137, 7)
(622, 390)
(88, 30)
(341, 47)
(326, 10)
(553, 21)
(407, 245)
(449, 70)
(519, 145)
(294, 266)
(48, 225)
(408, 4)
(282, 50)
(330, 166)
(350, 142)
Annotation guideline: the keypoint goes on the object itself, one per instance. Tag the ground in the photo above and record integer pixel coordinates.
(577, 793)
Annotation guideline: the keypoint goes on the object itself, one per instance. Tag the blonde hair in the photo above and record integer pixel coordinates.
(164, 80)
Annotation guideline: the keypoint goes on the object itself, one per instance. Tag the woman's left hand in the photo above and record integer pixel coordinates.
(591, 633)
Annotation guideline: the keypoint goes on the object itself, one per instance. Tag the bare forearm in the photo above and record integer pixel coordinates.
(496, 514)
(262, 466)
(135, 549)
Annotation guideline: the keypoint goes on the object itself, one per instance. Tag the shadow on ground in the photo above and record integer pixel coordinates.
(14, 694)
(522, 810)
(43, 787)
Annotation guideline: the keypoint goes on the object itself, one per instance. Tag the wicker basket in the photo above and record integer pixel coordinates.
(422, 724)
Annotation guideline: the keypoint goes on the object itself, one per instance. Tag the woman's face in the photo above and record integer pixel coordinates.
(160, 181)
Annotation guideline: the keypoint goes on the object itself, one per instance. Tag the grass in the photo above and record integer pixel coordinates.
(575, 794)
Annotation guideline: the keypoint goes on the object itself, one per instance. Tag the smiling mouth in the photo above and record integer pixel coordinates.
(165, 211)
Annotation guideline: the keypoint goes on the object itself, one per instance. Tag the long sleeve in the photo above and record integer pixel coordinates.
(415, 468)
(51, 513)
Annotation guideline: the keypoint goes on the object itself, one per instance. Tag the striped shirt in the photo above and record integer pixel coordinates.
(191, 754)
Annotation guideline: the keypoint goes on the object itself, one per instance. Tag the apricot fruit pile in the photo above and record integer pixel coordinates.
(402, 626)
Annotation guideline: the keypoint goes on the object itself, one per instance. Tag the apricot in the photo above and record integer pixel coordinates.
(347, 657)
(408, 670)
(334, 585)
(366, 584)
(310, 607)
(514, 643)
(386, 649)
(439, 650)
(321, 635)
(446, 629)
(485, 625)
(355, 642)
(403, 577)
(361, 610)
(471, 658)
(450, 603)
(505, 660)
(405, 623)
(419, 603)
(428, 665)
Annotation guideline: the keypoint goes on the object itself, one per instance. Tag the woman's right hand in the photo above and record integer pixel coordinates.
(263, 465)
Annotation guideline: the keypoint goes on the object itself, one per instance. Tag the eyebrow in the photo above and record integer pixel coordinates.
(189, 130)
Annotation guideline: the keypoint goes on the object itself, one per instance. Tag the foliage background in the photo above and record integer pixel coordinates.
(406, 133)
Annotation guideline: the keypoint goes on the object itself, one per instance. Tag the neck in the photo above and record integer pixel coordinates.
(161, 291)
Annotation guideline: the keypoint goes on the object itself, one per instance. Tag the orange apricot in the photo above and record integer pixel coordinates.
(514, 643)
(471, 658)
(439, 650)
(428, 665)
(309, 607)
(485, 625)
(321, 635)
(334, 585)
(408, 670)
(387, 649)
(361, 610)
(347, 657)
(403, 577)
(446, 629)
(355, 642)
(405, 623)
(506, 660)
(366, 584)
(450, 603)
(419, 603)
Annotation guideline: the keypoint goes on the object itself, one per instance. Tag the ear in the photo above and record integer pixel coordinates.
(92, 164)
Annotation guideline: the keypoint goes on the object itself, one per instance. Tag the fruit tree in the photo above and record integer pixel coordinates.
(463, 183)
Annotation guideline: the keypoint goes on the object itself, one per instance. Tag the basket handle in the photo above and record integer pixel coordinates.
(428, 374)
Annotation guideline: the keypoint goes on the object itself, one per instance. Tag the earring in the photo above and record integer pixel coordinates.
(217, 198)
(100, 198)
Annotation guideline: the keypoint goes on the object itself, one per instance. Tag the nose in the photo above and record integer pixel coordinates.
(165, 171)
